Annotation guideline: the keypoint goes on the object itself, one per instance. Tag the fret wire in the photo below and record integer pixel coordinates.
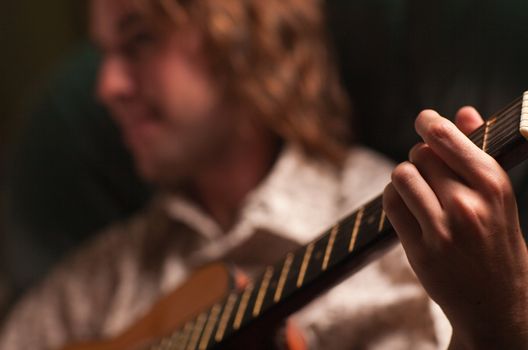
(198, 329)
(369, 208)
(476, 135)
(485, 135)
(502, 118)
(262, 291)
(187, 330)
(382, 220)
(511, 119)
(507, 127)
(161, 344)
(492, 136)
(284, 274)
(512, 109)
(490, 141)
(226, 315)
(373, 208)
(330, 246)
(209, 327)
(178, 338)
(488, 124)
(242, 306)
(504, 130)
(305, 262)
(373, 213)
(508, 109)
(355, 230)
(181, 341)
(171, 341)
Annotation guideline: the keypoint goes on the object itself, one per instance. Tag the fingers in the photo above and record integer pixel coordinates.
(466, 160)
(468, 120)
(449, 182)
(442, 180)
(417, 195)
(401, 219)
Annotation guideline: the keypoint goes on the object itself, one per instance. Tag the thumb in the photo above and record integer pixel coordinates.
(468, 119)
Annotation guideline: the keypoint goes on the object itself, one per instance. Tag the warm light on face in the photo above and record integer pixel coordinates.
(160, 92)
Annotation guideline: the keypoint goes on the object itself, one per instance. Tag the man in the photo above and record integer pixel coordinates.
(231, 109)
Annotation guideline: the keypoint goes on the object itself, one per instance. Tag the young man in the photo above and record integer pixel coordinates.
(232, 110)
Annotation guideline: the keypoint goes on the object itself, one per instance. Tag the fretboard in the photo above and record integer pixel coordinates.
(299, 277)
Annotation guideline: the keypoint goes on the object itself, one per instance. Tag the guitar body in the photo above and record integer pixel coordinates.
(200, 292)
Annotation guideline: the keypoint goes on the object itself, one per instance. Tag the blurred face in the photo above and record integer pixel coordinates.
(160, 91)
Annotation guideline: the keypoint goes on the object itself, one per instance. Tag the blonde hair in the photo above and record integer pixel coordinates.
(274, 56)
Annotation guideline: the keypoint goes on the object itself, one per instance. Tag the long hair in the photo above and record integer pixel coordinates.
(274, 56)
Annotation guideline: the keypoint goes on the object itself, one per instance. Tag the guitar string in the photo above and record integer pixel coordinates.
(498, 134)
(505, 132)
(504, 137)
(497, 127)
(374, 206)
(501, 117)
(370, 211)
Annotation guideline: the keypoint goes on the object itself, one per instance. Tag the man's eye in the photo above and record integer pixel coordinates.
(137, 44)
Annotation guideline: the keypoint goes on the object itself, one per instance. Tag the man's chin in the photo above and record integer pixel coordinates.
(150, 173)
(159, 175)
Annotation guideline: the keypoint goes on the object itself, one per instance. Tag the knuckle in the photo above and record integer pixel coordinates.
(469, 212)
(440, 129)
(422, 153)
(402, 175)
(495, 186)
(462, 205)
(424, 114)
(415, 150)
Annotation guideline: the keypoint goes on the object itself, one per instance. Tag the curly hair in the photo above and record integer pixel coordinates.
(274, 56)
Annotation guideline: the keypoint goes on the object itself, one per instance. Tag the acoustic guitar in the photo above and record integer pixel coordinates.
(226, 317)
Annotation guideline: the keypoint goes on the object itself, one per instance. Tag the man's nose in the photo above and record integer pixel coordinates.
(115, 81)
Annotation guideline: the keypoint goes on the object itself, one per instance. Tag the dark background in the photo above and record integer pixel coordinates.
(397, 57)
(34, 36)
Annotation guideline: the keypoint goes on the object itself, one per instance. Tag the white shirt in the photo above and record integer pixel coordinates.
(103, 288)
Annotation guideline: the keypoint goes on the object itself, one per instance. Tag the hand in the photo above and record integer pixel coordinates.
(454, 210)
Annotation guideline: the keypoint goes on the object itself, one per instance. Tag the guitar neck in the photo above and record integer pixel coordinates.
(344, 248)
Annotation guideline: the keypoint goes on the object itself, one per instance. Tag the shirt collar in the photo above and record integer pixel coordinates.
(297, 199)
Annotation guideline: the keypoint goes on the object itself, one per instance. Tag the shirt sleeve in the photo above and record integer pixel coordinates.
(68, 305)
